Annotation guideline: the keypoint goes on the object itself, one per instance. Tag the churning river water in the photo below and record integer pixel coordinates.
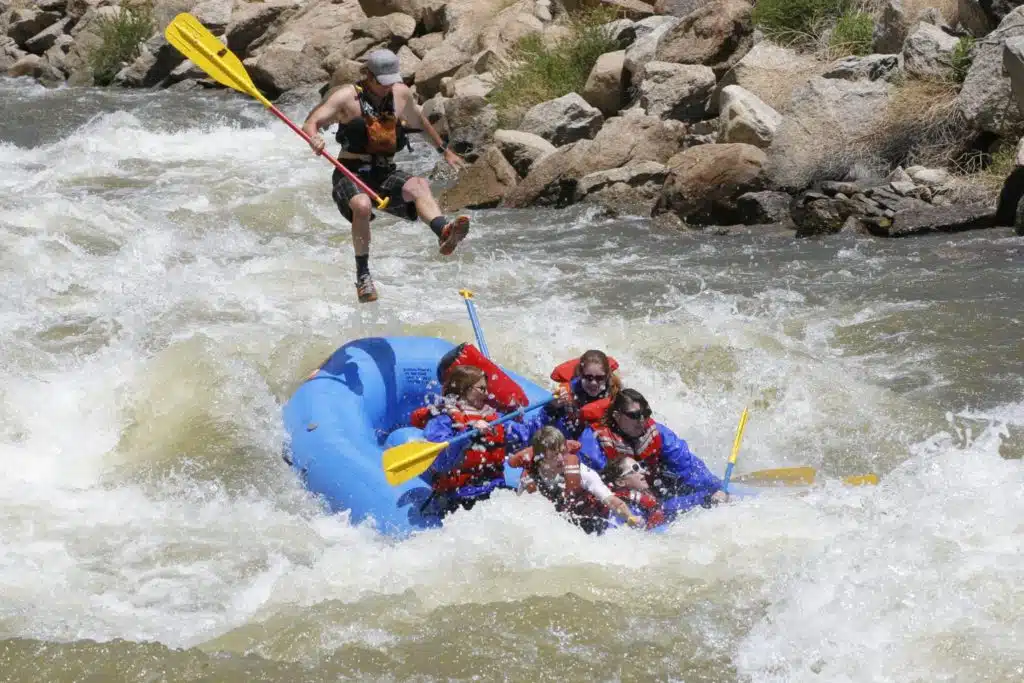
(173, 266)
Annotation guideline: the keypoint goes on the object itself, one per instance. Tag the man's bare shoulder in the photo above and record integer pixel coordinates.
(402, 94)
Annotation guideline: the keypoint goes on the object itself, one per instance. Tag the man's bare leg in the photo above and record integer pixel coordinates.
(360, 206)
(449, 234)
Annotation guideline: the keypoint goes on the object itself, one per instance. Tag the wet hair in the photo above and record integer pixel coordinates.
(600, 357)
(614, 470)
(621, 400)
(547, 440)
(461, 378)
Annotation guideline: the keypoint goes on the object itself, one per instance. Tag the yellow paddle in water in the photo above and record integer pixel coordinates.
(193, 40)
(798, 476)
(412, 459)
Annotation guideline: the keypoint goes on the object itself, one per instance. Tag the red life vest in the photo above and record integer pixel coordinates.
(649, 506)
(647, 450)
(484, 458)
(589, 412)
(503, 393)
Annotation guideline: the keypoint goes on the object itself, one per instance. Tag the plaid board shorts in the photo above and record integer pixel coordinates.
(387, 181)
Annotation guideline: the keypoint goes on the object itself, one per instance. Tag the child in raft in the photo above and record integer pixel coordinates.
(551, 466)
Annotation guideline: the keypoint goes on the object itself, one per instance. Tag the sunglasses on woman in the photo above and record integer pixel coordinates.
(597, 379)
(633, 414)
(635, 469)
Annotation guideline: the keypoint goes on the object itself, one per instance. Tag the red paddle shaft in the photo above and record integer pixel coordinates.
(381, 203)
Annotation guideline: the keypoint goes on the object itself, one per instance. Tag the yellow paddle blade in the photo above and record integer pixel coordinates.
(739, 437)
(409, 460)
(861, 480)
(783, 476)
(799, 476)
(193, 40)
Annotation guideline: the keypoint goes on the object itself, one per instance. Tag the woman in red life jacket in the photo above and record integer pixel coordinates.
(627, 479)
(586, 387)
(469, 472)
(675, 474)
(552, 467)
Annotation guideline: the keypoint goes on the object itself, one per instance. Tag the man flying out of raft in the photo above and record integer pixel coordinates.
(371, 131)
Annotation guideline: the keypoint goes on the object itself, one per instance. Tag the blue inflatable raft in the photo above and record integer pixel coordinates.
(356, 406)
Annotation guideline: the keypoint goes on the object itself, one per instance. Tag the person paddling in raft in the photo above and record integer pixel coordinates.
(551, 466)
(675, 475)
(586, 386)
(462, 475)
(371, 131)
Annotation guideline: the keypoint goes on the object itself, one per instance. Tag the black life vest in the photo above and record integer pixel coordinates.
(378, 132)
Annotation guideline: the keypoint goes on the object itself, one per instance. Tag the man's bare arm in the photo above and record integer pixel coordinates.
(324, 114)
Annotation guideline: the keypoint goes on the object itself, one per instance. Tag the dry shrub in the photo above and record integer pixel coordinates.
(947, 8)
(922, 126)
(912, 9)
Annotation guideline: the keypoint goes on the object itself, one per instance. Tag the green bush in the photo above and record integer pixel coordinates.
(962, 58)
(120, 39)
(538, 73)
(796, 21)
(853, 35)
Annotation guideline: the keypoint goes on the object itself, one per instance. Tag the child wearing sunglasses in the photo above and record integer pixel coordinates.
(627, 479)
(674, 474)
(551, 466)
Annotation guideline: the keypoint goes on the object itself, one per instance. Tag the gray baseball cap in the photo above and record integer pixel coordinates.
(383, 64)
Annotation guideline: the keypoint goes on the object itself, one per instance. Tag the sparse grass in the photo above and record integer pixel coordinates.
(796, 22)
(962, 58)
(537, 72)
(121, 38)
(853, 34)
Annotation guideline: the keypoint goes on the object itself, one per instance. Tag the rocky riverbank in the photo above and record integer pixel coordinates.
(689, 113)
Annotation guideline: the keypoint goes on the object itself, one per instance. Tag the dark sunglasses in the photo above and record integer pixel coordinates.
(635, 469)
(633, 414)
(594, 378)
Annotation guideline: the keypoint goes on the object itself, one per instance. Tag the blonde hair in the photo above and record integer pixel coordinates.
(547, 440)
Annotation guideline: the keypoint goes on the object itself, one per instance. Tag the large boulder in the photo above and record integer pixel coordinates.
(1013, 65)
(928, 52)
(563, 120)
(890, 28)
(678, 8)
(22, 24)
(985, 99)
(745, 118)
(716, 35)
(391, 30)
(823, 131)
(866, 68)
(276, 70)
(983, 16)
(482, 185)
(676, 91)
(645, 45)
(625, 139)
(251, 20)
(631, 189)
(441, 62)
(704, 182)
(471, 122)
(605, 87)
(522, 149)
(429, 14)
